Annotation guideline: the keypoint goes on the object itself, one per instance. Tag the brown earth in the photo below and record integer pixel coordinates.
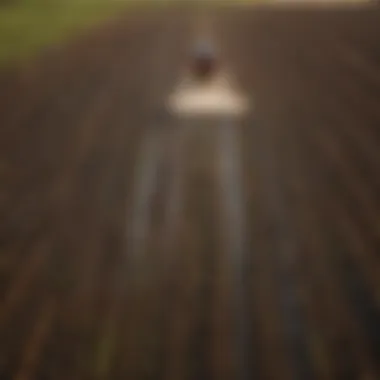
(137, 246)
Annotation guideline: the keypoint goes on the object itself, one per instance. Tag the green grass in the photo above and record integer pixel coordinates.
(28, 25)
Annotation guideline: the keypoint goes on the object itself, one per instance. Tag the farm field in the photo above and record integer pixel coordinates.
(136, 245)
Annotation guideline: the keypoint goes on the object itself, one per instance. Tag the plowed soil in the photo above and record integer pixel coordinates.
(135, 245)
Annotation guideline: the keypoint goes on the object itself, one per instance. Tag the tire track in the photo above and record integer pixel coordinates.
(146, 176)
(284, 255)
(232, 208)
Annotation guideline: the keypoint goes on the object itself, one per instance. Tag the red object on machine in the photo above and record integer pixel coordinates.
(204, 61)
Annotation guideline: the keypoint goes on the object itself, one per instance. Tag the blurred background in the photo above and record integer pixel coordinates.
(138, 243)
